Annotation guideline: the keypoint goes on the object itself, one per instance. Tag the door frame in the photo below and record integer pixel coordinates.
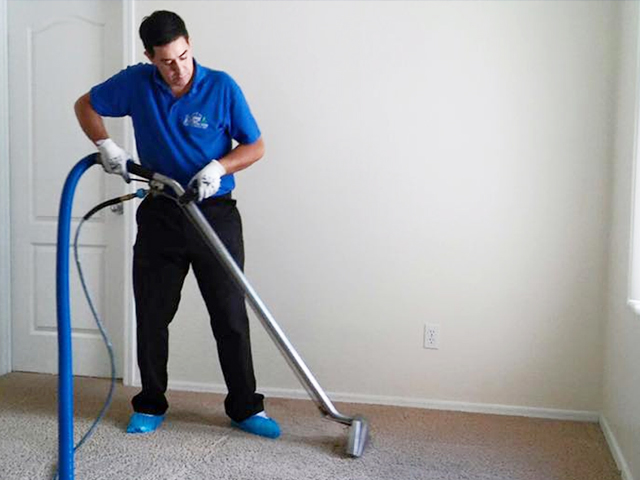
(5, 198)
(130, 364)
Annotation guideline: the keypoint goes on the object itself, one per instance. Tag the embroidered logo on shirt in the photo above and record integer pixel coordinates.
(196, 120)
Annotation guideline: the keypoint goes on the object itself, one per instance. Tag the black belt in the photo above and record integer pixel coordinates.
(225, 196)
(209, 200)
(216, 199)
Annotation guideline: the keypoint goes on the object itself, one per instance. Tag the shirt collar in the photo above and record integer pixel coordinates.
(198, 75)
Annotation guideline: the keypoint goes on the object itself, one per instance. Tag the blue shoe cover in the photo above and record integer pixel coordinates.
(259, 424)
(144, 423)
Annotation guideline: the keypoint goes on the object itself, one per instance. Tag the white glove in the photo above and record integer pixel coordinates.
(207, 181)
(114, 159)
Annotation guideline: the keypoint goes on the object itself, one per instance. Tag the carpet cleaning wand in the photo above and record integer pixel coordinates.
(359, 427)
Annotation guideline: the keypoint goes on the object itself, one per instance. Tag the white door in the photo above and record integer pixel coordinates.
(57, 51)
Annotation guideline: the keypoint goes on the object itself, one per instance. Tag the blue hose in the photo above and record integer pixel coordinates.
(65, 362)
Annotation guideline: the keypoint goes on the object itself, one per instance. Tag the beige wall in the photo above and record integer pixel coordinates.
(442, 162)
(622, 347)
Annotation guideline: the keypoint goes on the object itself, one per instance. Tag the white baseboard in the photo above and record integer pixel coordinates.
(615, 449)
(554, 414)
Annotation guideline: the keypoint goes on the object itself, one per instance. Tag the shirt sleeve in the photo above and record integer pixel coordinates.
(112, 98)
(243, 126)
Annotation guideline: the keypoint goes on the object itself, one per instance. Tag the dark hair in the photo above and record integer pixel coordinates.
(160, 28)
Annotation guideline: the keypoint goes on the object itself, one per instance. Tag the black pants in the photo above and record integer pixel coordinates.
(166, 245)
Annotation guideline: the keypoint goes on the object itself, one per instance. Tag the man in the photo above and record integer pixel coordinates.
(185, 117)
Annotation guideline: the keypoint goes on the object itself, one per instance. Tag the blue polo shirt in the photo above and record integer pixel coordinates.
(179, 136)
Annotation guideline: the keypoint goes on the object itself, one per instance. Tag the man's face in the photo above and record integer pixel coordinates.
(174, 62)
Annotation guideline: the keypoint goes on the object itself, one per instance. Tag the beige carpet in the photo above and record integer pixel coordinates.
(196, 441)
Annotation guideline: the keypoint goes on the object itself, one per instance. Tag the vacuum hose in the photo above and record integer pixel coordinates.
(65, 386)
(65, 362)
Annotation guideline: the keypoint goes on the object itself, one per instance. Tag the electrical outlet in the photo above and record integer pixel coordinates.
(432, 336)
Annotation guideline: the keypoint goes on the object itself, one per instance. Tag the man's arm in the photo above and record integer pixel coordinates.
(113, 158)
(90, 122)
(207, 181)
(243, 156)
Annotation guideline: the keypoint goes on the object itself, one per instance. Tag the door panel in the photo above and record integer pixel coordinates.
(57, 51)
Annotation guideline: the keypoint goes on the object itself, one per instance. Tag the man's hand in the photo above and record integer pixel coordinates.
(114, 159)
(207, 181)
